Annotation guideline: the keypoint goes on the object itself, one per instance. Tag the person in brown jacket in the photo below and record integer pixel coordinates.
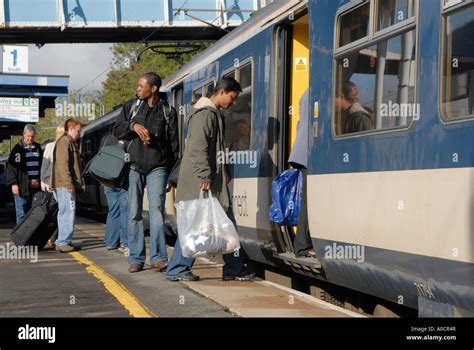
(66, 181)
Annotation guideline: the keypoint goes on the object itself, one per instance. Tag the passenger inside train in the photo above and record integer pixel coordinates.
(299, 160)
(353, 116)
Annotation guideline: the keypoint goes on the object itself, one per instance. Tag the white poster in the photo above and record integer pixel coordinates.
(24, 110)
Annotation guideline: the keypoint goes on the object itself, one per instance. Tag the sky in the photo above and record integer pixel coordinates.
(82, 62)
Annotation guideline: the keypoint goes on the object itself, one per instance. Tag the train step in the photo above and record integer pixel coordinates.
(308, 264)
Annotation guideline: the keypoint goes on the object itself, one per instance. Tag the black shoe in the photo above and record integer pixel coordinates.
(243, 276)
(187, 276)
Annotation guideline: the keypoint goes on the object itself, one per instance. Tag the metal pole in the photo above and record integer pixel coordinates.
(2, 13)
(217, 10)
(116, 12)
(78, 107)
(381, 63)
(224, 15)
(405, 65)
(61, 15)
(208, 23)
(168, 17)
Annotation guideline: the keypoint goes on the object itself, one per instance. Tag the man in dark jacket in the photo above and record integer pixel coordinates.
(201, 170)
(24, 166)
(150, 126)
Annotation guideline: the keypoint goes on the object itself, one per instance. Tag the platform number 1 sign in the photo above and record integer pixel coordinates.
(15, 56)
(15, 59)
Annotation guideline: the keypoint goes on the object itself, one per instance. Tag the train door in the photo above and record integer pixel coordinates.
(293, 83)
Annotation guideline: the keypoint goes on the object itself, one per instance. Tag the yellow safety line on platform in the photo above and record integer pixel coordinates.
(118, 290)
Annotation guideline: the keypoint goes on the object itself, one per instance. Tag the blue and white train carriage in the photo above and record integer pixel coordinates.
(391, 208)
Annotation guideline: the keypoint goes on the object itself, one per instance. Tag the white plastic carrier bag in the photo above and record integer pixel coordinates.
(204, 228)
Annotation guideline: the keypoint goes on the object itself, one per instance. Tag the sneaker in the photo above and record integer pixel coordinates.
(187, 276)
(135, 268)
(112, 248)
(51, 244)
(160, 266)
(243, 276)
(123, 249)
(67, 248)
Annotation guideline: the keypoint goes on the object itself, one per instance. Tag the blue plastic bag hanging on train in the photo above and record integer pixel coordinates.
(287, 189)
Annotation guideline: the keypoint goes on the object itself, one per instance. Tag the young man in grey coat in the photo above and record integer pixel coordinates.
(201, 170)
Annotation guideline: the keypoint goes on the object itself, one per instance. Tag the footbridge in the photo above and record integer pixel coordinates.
(86, 21)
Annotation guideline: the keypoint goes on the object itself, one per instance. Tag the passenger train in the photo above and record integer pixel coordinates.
(390, 207)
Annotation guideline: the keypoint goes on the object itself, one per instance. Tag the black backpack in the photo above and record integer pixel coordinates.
(174, 174)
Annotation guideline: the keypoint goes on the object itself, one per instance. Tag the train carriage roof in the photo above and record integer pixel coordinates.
(107, 118)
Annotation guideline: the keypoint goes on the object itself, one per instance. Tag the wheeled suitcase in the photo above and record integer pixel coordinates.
(39, 223)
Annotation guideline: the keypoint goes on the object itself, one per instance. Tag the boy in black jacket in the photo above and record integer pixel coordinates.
(150, 126)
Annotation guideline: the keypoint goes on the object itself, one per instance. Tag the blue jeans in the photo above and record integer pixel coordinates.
(22, 206)
(156, 191)
(116, 230)
(234, 263)
(66, 215)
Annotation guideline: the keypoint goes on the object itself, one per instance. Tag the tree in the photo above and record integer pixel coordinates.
(121, 81)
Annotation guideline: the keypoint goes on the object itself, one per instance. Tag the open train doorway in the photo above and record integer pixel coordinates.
(294, 55)
(293, 81)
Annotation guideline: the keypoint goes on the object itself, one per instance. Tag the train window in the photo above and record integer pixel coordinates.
(375, 82)
(231, 74)
(392, 12)
(457, 92)
(354, 25)
(197, 94)
(238, 121)
(88, 146)
(203, 90)
(245, 78)
(209, 89)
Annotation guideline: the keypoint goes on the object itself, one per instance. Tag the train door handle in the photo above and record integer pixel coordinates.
(315, 129)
